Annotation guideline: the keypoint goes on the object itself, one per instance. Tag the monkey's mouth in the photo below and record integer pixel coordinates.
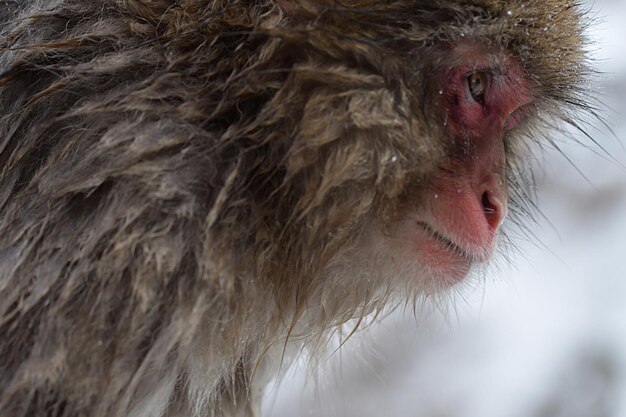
(446, 243)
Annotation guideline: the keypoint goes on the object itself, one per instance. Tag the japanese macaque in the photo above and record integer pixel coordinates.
(187, 186)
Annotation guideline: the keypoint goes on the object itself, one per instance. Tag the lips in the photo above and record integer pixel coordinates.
(446, 261)
(445, 242)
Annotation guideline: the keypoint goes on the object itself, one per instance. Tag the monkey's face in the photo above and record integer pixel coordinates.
(483, 96)
(447, 219)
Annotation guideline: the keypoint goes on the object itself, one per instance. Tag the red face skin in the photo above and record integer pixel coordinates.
(458, 223)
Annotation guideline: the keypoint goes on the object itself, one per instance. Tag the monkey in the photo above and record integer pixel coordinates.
(186, 187)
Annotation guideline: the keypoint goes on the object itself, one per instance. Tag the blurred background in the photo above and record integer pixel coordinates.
(544, 335)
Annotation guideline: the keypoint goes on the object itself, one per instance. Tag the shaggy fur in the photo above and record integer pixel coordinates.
(184, 183)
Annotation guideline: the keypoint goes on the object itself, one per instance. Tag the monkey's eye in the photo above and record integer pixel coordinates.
(478, 81)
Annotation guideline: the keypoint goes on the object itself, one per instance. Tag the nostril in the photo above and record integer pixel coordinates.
(487, 206)
(492, 209)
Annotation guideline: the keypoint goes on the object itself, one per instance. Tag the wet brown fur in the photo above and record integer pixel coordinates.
(177, 178)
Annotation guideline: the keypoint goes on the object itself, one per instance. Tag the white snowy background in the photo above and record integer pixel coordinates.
(544, 337)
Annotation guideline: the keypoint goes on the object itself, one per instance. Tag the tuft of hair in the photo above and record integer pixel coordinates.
(179, 180)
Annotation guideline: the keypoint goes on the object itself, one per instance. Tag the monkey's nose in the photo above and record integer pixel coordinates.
(494, 202)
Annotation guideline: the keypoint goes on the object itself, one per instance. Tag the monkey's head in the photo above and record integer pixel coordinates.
(383, 143)
(392, 135)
